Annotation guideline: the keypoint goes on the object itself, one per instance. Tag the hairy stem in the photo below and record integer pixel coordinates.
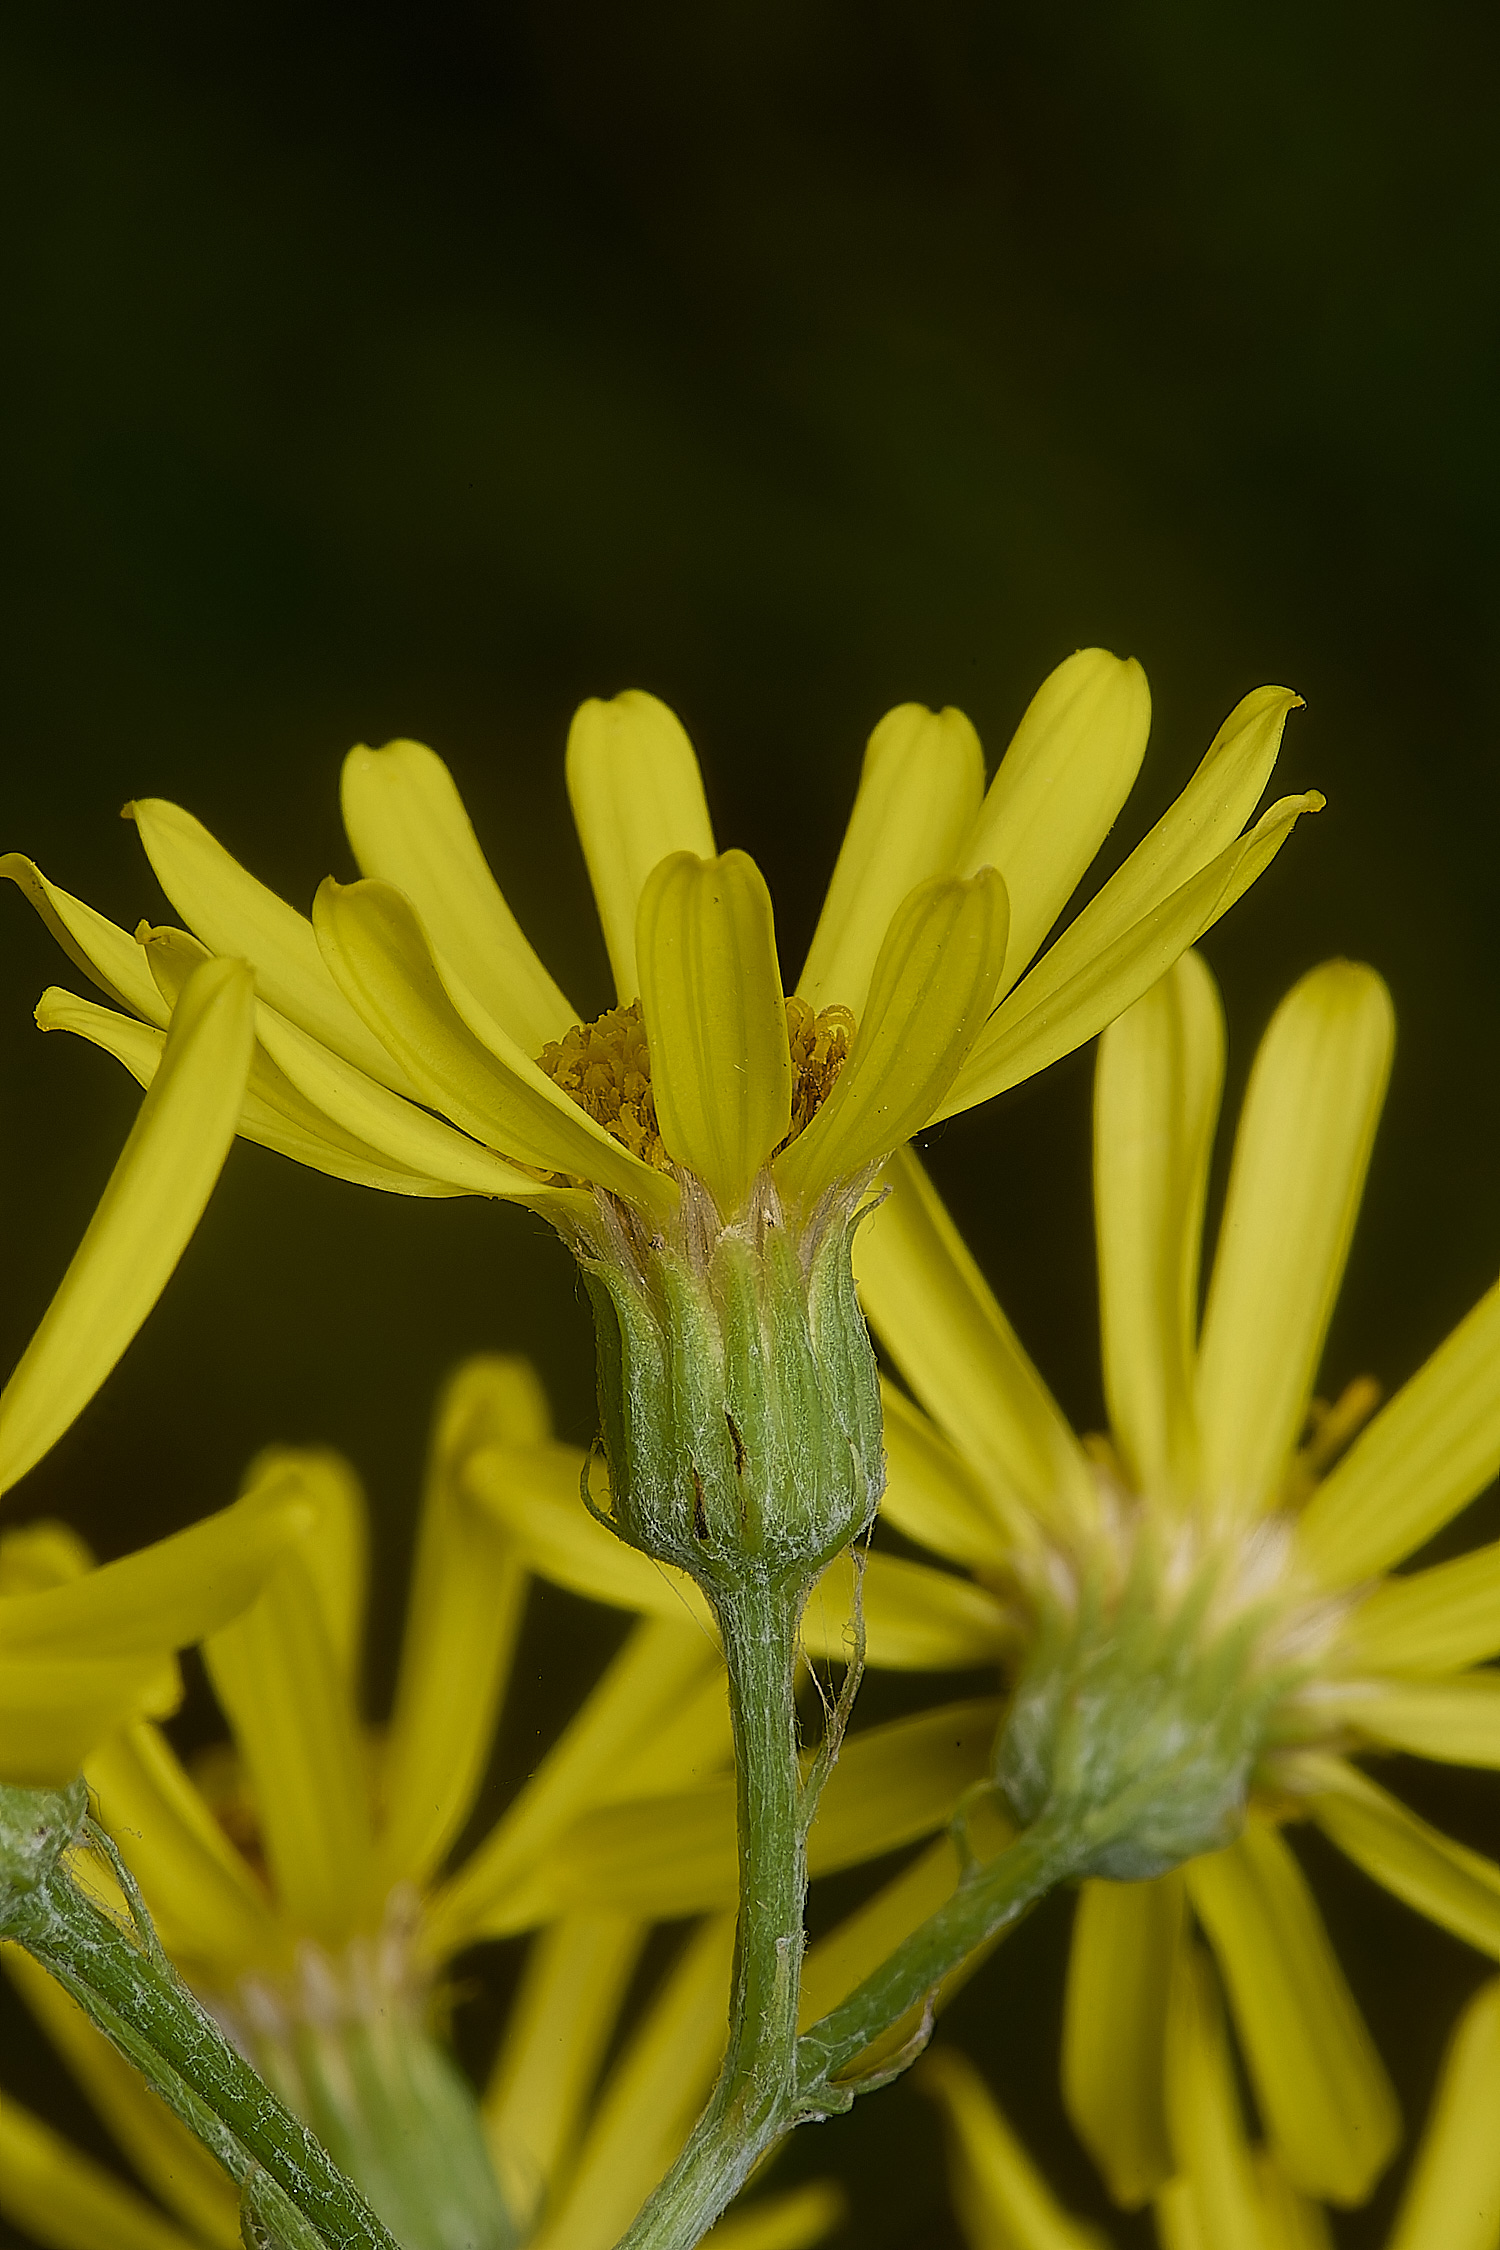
(990, 1899)
(752, 2104)
(126, 1985)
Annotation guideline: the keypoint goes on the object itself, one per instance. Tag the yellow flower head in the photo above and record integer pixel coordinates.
(410, 1038)
(298, 1877)
(1214, 1510)
(77, 1659)
(704, 1144)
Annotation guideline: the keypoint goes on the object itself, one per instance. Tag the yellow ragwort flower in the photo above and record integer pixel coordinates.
(1225, 2193)
(298, 1882)
(410, 1038)
(1242, 1511)
(76, 1660)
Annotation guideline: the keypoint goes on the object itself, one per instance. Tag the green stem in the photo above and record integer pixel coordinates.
(752, 2104)
(126, 1985)
(990, 1900)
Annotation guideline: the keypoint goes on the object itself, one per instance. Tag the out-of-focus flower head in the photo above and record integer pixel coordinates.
(1228, 1532)
(302, 1879)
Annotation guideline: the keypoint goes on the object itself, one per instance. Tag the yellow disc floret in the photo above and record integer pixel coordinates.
(605, 1067)
(820, 1048)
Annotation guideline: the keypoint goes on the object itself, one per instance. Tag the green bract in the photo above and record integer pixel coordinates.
(36, 1828)
(1138, 1722)
(739, 1399)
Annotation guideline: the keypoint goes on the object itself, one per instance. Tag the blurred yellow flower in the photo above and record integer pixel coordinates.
(76, 1660)
(1226, 2194)
(410, 1038)
(1209, 1493)
(297, 1883)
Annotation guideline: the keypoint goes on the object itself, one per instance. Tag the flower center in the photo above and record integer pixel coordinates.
(820, 1049)
(605, 1067)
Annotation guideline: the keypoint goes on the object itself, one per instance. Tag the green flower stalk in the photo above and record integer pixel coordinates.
(291, 2191)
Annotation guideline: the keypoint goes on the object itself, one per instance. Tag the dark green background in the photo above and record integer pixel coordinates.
(381, 370)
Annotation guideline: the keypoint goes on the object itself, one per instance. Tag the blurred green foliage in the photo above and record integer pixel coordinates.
(380, 369)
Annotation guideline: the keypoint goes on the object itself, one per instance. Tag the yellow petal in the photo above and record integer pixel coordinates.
(1204, 2119)
(407, 825)
(1329, 2110)
(1069, 768)
(559, 2026)
(637, 796)
(657, 1857)
(532, 1492)
(721, 1066)
(865, 1938)
(930, 990)
(1289, 2220)
(163, 2153)
(1300, 1157)
(163, 1596)
(65, 2201)
(212, 1914)
(170, 955)
(341, 1101)
(1121, 1965)
(1452, 2199)
(690, 1744)
(933, 1496)
(275, 1114)
(467, 1597)
(613, 1744)
(935, 1314)
(650, 2099)
(916, 1619)
(1002, 2200)
(1425, 1456)
(155, 1198)
(1452, 1886)
(1432, 1621)
(335, 1543)
(233, 914)
(919, 792)
(1456, 1720)
(1096, 971)
(490, 1088)
(278, 1678)
(53, 1710)
(897, 1782)
(1194, 831)
(1156, 1101)
(793, 2221)
(301, 1092)
(107, 954)
(35, 1557)
(1177, 2223)
(667, 1856)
